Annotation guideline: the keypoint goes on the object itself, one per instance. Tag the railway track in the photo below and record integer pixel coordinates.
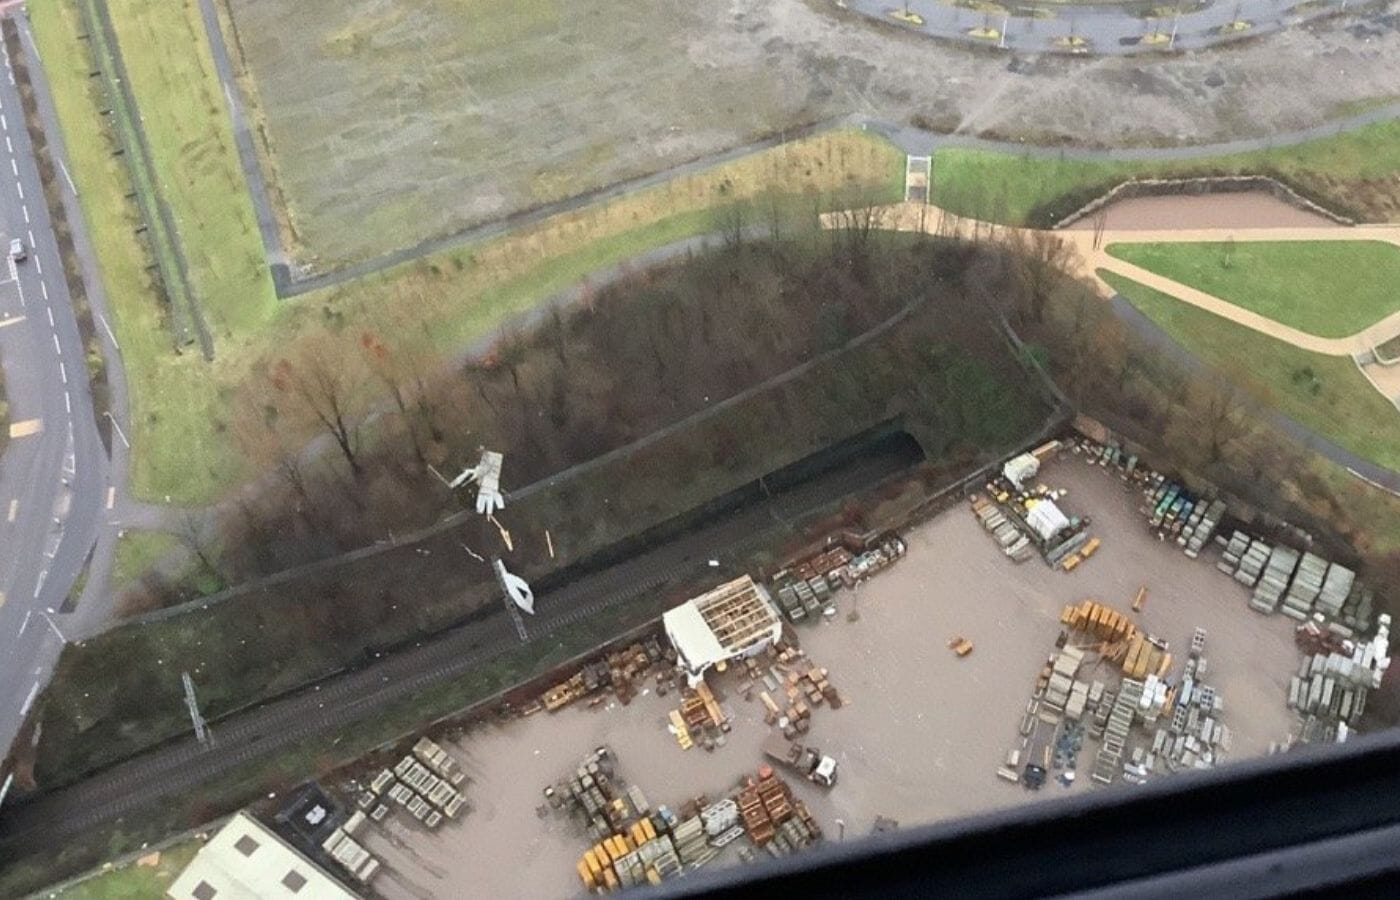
(341, 700)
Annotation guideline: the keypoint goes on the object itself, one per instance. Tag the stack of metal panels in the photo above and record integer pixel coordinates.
(1330, 687)
(1335, 589)
(1108, 761)
(1252, 563)
(1230, 558)
(691, 842)
(1307, 583)
(1356, 611)
(1274, 579)
(1204, 528)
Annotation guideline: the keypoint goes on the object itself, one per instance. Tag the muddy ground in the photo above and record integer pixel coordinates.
(1244, 209)
(393, 122)
(922, 732)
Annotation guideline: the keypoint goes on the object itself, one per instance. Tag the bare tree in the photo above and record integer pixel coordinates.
(323, 386)
(1044, 261)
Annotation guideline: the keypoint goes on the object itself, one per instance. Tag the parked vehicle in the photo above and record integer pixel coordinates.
(806, 761)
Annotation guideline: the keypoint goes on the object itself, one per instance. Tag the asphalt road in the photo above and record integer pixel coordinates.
(52, 481)
(342, 700)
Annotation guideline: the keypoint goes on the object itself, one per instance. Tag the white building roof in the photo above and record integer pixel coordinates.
(726, 623)
(247, 861)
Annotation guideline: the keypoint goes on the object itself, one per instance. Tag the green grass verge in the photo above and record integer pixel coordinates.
(136, 552)
(133, 882)
(1352, 172)
(1330, 289)
(183, 409)
(1325, 393)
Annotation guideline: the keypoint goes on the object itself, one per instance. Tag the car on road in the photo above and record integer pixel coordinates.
(17, 251)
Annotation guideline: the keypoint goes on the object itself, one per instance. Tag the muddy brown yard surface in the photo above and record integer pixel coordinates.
(1232, 210)
(922, 732)
(393, 122)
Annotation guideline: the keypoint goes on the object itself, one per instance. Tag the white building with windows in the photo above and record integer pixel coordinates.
(247, 861)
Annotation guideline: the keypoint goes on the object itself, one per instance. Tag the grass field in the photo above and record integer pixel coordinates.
(1325, 393)
(389, 124)
(182, 408)
(137, 551)
(1328, 288)
(133, 882)
(1353, 173)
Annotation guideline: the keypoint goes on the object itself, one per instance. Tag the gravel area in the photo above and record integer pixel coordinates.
(922, 732)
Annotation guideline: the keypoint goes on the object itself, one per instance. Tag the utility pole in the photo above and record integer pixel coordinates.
(201, 730)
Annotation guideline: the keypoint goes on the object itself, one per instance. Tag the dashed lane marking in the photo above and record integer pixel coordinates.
(24, 208)
(11, 320)
(20, 189)
(4, 126)
(14, 167)
(63, 371)
(111, 496)
(49, 310)
(44, 289)
(68, 403)
(8, 146)
(14, 510)
(2, 599)
(57, 349)
(26, 427)
(38, 265)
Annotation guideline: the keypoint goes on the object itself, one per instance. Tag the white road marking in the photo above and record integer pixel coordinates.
(29, 700)
(14, 167)
(43, 574)
(49, 310)
(11, 321)
(8, 146)
(31, 239)
(14, 510)
(38, 265)
(25, 624)
(63, 371)
(69, 178)
(19, 188)
(24, 208)
(68, 403)
(4, 126)
(103, 320)
(111, 496)
(44, 289)
(57, 349)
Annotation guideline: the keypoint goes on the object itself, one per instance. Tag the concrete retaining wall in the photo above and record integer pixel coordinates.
(1215, 184)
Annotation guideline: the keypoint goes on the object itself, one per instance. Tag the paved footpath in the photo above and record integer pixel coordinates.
(1091, 257)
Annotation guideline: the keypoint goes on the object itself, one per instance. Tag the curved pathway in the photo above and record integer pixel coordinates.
(1089, 257)
(1093, 29)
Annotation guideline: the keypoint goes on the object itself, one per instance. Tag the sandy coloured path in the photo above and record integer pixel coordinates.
(1091, 257)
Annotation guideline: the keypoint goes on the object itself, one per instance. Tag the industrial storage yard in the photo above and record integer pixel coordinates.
(921, 731)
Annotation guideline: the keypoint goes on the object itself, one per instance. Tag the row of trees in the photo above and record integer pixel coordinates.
(621, 361)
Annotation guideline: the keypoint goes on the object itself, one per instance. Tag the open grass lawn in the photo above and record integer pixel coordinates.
(133, 882)
(184, 409)
(1328, 288)
(1325, 393)
(137, 551)
(1355, 173)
